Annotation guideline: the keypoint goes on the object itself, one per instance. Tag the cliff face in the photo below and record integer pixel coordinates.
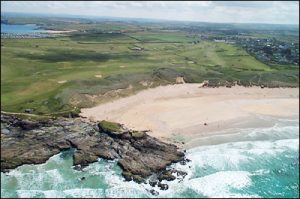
(138, 154)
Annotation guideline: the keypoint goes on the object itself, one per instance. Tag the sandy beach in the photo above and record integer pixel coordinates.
(182, 112)
(59, 31)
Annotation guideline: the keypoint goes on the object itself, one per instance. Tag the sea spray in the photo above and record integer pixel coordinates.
(259, 162)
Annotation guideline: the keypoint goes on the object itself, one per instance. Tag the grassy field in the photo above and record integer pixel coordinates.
(54, 75)
(162, 37)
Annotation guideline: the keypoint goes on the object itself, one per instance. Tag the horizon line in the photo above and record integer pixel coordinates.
(154, 19)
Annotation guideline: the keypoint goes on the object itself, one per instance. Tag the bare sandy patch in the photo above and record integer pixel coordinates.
(59, 31)
(98, 76)
(62, 81)
(144, 83)
(180, 80)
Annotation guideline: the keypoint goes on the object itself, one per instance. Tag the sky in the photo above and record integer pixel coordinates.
(273, 12)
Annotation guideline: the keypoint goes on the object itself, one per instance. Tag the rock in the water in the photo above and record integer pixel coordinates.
(84, 158)
(153, 180)
(138, 179)
(138, 154)
(82, 178)
(152, 183)
(153, 192)
(163, 186)
(166, 175)
(181, 173)
(127, 176)
(77, 167)
(183, 162)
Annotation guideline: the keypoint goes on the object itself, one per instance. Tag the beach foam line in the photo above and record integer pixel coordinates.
(278, 131)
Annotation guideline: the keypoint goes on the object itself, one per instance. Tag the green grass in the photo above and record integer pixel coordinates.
(110, 126)
(31, 69)
(176, 37)
(31, 117)
(91, 38)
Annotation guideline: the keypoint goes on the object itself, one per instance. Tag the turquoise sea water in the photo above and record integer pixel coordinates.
(264, 164)
(21, 29)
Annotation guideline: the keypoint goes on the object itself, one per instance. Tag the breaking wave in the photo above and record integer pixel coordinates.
(263, 162)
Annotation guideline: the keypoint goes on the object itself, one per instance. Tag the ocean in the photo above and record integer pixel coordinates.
(20, 29)
(252, 162)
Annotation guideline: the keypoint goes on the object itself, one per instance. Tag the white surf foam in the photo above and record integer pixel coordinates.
(232, 155)
(84, 193)
(223, 163)
(25, 193)
(219, 184)
(54, 194)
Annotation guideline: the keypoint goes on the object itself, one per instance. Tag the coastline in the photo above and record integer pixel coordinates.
(59, 31)
(181, 113)
(212, 166)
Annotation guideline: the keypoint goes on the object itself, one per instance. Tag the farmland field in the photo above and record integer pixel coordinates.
(82, 69)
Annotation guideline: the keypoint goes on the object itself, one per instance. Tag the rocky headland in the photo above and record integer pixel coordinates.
(139, 155)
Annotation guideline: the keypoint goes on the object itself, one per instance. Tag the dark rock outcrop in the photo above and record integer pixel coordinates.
(153, 192)
(166, 175)
(138, 154)
(163, 186)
